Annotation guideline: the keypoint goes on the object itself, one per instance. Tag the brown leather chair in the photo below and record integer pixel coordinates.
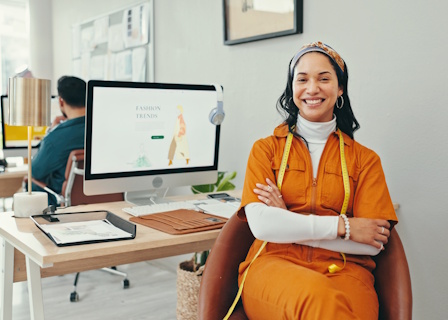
(72, 193)
(219, 284)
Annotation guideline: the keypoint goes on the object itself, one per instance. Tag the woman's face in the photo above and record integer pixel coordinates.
(315, 87)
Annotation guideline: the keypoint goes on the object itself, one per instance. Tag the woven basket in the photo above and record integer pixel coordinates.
(188, 282)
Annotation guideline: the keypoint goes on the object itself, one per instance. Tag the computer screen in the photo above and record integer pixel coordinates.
(15, 138)
(146, 136)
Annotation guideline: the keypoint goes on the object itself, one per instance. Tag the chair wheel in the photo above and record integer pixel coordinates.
(126, 284)
(74, 297)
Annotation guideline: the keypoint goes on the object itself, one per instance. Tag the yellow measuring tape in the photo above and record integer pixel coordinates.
(279, 185)
(333, 268)
(284, 163)
(344, 173)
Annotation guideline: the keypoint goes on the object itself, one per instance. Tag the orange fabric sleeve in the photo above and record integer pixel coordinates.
(372, 198)
(258, 169)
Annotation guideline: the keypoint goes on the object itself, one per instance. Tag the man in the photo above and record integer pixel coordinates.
(48, 165)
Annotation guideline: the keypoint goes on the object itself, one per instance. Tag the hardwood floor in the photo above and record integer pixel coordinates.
(151, 295)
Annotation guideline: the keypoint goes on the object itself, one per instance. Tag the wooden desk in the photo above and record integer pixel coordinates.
(44, 259)
(11, 180)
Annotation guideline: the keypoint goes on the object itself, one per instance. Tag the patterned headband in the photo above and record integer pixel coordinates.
(317, 47)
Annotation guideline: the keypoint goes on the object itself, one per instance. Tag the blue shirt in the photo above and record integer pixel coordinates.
(48, 165)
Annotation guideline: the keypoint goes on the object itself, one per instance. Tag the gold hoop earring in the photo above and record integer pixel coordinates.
(342, 102)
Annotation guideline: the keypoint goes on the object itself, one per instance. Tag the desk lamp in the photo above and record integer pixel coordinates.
(29, 105)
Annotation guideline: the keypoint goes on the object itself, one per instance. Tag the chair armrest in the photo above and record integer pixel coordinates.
(393, 281)
(39, 183)
(42, 185)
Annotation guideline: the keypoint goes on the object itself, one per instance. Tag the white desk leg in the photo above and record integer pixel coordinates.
(6, 281)
(34, 290)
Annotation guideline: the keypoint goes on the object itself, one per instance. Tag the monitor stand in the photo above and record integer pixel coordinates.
(146, 197)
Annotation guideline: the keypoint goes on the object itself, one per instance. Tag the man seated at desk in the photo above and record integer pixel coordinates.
(48, 165)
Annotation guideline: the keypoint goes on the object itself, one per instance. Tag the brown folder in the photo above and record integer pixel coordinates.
(181, 221)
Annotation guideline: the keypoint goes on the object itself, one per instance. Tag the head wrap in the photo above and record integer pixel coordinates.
(317, 47)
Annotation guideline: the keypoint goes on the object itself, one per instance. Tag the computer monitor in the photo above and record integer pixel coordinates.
(149, 136)
(15, 138)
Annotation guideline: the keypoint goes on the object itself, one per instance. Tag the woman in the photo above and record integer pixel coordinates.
(179, 143)
(301, 222)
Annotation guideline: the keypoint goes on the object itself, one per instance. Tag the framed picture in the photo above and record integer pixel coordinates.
(252, 20)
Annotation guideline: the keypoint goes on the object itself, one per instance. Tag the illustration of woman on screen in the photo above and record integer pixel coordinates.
(179, 144)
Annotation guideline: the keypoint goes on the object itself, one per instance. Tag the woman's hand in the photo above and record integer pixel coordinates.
(374, 232)
(269, 194)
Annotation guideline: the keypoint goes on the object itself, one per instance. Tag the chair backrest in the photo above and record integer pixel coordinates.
(219, 283)
(393, 281)
(72, 188)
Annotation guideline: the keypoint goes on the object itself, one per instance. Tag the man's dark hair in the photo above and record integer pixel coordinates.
(72, 90)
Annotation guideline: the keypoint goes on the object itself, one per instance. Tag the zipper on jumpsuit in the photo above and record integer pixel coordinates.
(313, 197)
(313, 209)
(314, 191)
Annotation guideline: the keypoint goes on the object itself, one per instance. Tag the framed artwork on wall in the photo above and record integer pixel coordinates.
(252, 20)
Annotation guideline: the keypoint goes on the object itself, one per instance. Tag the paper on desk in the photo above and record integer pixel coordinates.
(71, 232)
(223, 209)
(21, 168)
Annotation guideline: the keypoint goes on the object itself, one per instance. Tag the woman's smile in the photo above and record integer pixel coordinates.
(313, 102)
(315, 87)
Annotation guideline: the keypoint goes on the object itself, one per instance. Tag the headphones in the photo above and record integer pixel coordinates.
(217, 114)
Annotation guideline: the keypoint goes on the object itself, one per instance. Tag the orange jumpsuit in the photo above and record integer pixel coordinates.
(291, 281)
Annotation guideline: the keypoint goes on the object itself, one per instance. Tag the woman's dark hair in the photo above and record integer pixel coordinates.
(345, 119)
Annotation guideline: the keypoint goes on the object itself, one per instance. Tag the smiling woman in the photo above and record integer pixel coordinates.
(314, 239)
(315, 88)
(345, 118)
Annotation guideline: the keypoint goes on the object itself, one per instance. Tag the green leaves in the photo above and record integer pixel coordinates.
(222, 184)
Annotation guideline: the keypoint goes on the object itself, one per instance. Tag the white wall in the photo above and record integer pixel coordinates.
(396, 56)
(41, 40)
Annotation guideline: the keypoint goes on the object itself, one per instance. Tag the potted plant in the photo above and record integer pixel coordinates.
(222, 184)
(189, 275)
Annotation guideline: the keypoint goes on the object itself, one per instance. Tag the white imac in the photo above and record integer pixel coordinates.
(15, 138)
(147, 137)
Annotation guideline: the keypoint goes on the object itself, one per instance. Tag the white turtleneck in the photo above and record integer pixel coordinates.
(278, 225)
(316, 135)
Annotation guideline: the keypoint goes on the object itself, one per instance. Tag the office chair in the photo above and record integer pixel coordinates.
(72, 194)
(219, 284)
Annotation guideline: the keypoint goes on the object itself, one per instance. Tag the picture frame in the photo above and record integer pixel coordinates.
(253, 20)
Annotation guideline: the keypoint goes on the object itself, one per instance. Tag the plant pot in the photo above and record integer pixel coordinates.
(189, 277)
